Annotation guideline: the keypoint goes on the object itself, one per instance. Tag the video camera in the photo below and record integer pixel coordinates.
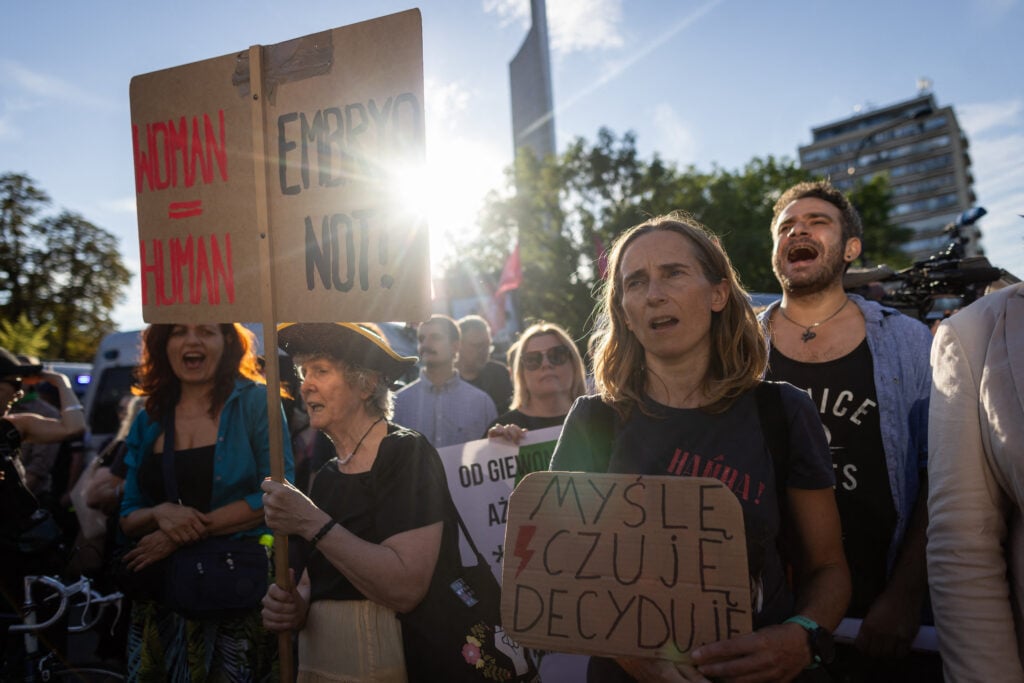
(944, 282)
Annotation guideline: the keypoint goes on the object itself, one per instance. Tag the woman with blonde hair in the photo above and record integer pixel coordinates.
(548, 375)
(679, 370)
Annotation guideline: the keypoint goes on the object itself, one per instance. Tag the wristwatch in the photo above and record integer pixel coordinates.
(823, 648)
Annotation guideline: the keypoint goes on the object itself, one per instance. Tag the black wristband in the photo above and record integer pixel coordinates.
(323, 532)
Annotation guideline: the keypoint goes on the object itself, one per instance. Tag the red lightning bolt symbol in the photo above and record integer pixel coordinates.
(526, 533)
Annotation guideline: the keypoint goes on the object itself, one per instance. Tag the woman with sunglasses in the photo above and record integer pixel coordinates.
(548, 376)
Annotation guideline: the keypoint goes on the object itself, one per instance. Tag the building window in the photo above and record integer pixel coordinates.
(930, 204)
(923, 166)
(922, 186)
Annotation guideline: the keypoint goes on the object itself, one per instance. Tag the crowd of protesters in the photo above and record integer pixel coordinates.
(902, 490)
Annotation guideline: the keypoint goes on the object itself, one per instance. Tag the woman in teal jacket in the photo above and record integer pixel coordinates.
(206, 378)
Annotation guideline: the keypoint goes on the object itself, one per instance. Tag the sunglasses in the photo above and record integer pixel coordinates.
(556, 355)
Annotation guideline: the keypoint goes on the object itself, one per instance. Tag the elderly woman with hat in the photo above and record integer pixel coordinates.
(374, 518)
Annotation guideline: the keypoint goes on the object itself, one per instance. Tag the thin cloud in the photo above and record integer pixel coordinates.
(981, 117)
(573, 25)
(445, 104)
(119, 205)
(676, 141)
(44, 87)
(996, 149)
(583, 25)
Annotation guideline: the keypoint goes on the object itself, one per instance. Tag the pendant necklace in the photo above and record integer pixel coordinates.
(809, 334)
(344, 461)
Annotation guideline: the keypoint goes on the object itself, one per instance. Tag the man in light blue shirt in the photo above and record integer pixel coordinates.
(440, 405)
(866, 367)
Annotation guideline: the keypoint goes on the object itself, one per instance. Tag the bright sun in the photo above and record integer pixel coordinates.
(449, 191)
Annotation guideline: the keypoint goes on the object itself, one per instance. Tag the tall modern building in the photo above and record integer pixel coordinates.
(924, 152)
(533, 114)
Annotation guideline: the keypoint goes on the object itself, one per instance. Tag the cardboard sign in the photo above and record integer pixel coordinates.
(481, 475)
(343, 124)
(624, 565)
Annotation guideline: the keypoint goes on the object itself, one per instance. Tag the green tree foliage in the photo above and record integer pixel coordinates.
(882, 238)
(564, 209)
(23, 335)
(61, 274)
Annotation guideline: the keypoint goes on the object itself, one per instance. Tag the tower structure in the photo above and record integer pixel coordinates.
(533, 116)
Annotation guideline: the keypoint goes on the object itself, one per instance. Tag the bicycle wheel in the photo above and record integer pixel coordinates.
(87, 673)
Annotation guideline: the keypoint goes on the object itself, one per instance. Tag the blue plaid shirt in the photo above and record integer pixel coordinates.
(449, 413)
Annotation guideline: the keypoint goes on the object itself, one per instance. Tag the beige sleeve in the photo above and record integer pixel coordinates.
(968, 514)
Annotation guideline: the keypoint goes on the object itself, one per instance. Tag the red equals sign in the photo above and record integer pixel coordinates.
(185, 209)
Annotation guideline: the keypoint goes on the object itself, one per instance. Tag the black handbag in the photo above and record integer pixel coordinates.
(218, 576)
(455, 633)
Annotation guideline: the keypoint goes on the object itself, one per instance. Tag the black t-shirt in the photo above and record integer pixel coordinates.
(193, 469)
(728, 446)
(519, 419)
(399, 493)
(844, 392)
(495, 380)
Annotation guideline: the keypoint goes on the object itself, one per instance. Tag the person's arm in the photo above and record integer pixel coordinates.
(968, 531)
(395, 573)
(183, 524)
(781, 651)
(39, 429)
(104, 490)
(585, 444)
(233, 517)
(894, 617)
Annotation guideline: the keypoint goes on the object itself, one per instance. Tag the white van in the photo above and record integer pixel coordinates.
(112, 369)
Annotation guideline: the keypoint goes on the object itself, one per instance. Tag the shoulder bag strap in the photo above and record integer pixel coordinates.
(170, 478)
(775, 428)
(605, 419)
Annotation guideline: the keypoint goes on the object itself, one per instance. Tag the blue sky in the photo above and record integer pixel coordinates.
(700, 82)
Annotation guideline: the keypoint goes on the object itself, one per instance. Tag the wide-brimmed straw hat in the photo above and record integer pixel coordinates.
(11, 366)
(351, 342)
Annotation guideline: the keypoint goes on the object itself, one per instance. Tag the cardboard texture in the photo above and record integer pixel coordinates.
(344, 124)
(624, 565)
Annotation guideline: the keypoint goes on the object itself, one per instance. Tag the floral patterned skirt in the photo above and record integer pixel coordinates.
(165, 646)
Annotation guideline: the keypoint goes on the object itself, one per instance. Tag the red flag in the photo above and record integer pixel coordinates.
(511, 274)
(511, 278)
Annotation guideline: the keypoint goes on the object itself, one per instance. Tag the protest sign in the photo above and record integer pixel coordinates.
(481, 475)
(342, 118)
(624, 565)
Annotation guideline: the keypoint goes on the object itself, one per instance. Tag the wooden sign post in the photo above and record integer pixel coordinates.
(624, 565)
(268, 187)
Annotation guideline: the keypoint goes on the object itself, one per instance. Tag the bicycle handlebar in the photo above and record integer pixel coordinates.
(65, 592)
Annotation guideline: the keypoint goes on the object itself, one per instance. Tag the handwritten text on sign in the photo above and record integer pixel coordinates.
(624, 565)
(343, 131)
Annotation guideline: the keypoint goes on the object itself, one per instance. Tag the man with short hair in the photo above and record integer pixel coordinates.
(866, 367)
(440, 405)
(476, 366)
